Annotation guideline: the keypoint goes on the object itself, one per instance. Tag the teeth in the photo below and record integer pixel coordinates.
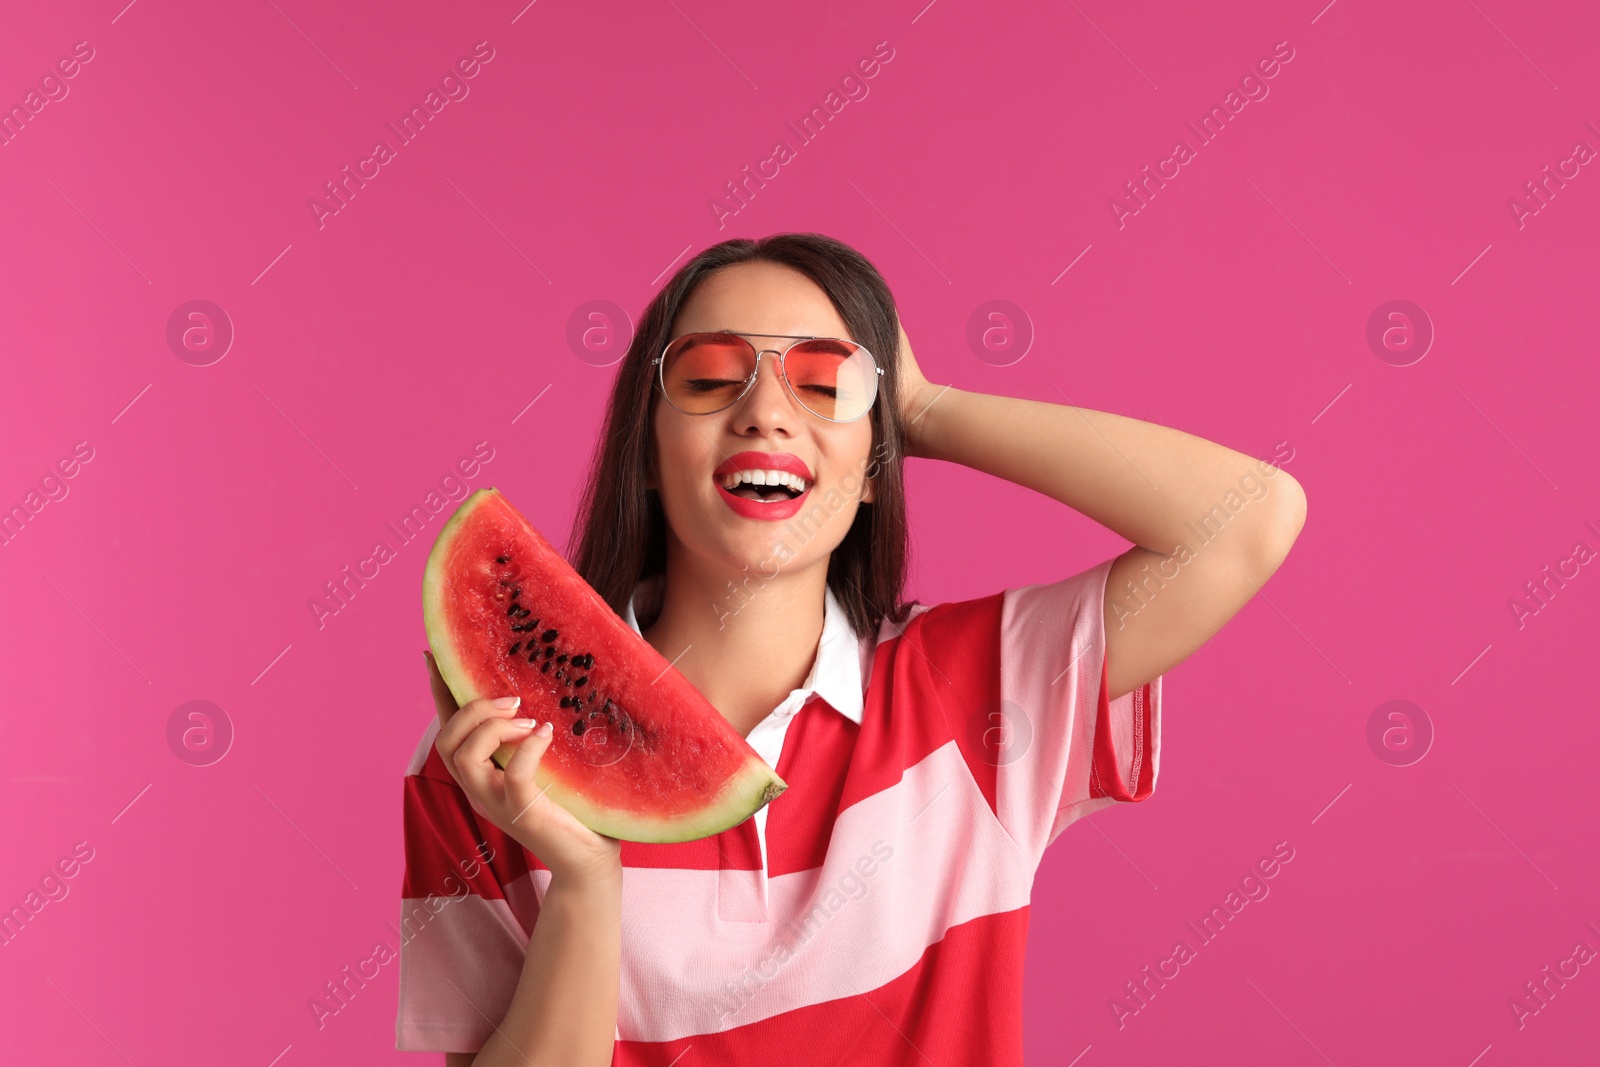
(732, 481)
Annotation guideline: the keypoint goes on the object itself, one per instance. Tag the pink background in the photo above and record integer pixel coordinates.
(372, 353)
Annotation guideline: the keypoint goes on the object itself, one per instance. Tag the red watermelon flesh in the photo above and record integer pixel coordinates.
(638, 753)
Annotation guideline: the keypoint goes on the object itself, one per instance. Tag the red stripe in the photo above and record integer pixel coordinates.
(447, 845)
(943, 684)
(1144, 743)
(701, 855)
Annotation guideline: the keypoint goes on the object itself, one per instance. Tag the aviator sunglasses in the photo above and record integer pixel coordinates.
(703, 373)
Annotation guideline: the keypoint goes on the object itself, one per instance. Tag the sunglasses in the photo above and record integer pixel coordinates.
(703, 373)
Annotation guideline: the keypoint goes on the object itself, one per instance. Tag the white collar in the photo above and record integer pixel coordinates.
(837, 671)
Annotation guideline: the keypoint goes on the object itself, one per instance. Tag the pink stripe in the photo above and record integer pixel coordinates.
(459, 967)
(678, 957)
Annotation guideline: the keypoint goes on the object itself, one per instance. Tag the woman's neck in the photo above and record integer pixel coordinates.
(744, 651)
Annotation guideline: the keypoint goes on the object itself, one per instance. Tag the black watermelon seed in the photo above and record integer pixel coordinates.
(566, 702)
(545, 669)
(502, 559)
(577, 726)
(577, 703)
(514, 648)
(561, 658)
(516, 592)
(582, 681)
(533, 656)
(548, 636)
(549, 651)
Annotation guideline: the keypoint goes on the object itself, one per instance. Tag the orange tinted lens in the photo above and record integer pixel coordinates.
(705, 372)
(835, 379)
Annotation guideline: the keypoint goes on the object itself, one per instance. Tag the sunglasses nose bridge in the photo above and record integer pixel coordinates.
(776, 363)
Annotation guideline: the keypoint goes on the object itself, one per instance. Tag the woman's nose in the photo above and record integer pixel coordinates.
(768, 392)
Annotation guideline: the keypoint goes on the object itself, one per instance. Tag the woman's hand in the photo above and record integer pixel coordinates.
(916, 393)
(511, 799)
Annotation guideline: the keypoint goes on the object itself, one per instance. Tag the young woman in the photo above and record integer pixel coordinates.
(876, 913)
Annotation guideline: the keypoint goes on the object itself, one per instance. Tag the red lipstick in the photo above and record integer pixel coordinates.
(771, 510)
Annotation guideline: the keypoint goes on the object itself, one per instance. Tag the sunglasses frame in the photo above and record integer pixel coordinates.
(661, 369)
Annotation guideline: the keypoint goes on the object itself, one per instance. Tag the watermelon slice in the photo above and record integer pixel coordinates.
(638, 753)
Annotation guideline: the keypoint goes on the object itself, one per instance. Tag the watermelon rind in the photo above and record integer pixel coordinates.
(741, 795)
(445, 652)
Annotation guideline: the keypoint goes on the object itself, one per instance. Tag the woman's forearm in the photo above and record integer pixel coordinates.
(564, 1012)
(1139, 479)
(1209, 525)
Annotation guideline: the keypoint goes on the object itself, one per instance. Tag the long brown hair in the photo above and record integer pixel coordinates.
(619, 531)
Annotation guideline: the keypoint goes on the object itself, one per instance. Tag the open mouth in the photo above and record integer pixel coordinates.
(764, 486)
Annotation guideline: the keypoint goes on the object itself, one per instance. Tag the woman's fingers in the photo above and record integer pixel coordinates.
(468, 718)
(472, 761)
(469, 735)
(460, 726)
(522, 791)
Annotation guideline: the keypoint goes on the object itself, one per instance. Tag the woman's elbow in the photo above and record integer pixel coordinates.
(1283, 522)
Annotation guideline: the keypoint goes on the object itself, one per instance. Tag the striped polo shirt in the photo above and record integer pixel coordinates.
(875, 912)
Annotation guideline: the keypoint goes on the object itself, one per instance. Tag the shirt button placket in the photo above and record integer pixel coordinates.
(742, 892)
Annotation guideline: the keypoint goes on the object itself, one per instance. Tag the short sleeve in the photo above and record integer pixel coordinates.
(467, 911)
(1072, 751)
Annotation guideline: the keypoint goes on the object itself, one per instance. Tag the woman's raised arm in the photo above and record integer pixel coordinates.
(1160, 488)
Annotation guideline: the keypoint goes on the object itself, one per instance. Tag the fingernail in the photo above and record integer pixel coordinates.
(525, 724)
(547, 729)
(507, 703)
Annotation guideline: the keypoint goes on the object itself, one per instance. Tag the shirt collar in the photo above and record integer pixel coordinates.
(837, 671)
